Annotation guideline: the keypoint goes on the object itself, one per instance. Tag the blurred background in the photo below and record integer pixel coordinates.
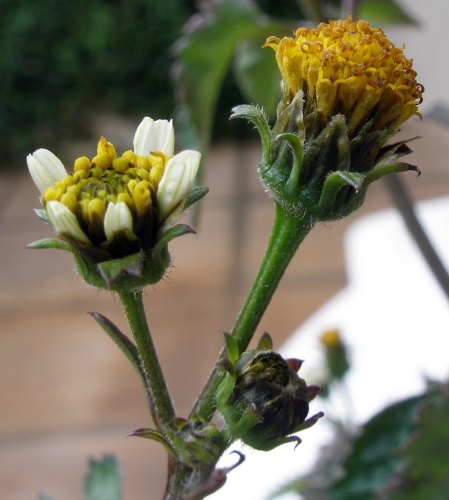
(74, 70)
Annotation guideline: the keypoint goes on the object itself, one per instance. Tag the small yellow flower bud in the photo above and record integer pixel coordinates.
(52, 193)
(102, 161)
(331, 338)
(81, 163)
(120, 165)
(106, 148)
(96, 209)
(143, 162)
(142, 197)
(156, 174)
(130, 156)
(125, 197)
(70, 201)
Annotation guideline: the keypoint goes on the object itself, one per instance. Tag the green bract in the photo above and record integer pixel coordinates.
(314, 167)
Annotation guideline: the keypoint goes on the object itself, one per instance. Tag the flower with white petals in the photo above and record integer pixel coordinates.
(118, 205)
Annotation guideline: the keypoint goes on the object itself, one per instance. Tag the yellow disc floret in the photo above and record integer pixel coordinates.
(105, 179)
(350, 68)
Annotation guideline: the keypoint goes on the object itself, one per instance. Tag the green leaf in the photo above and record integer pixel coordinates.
(383, 12)
(103, 479)
(257, 73)
(205, 53)
(374, 455)
(122, 341)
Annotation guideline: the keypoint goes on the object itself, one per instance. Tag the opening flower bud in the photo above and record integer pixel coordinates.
(115, 207)
(264, 401)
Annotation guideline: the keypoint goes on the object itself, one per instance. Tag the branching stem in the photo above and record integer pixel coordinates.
(287, 233)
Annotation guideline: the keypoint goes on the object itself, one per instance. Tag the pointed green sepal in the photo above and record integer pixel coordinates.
(232, 348)
(385, 168)
(154, 435)
(224, 391)
(42, 214)
(257, 117)
(122, 341)
(397, 149)
(292, 186)
(168, 235)
(309, 422)
(265, 343)
(332, 186)
(112, 270)
(226, 364)
(52, 243)
(195, 195)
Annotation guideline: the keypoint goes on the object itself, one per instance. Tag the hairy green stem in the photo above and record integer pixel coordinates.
(287, 234)
(161, 404)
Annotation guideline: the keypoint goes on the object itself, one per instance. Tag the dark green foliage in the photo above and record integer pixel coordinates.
(374, 456)
(64, 60)
(425, 471)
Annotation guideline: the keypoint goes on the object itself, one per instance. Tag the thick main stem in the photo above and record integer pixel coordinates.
(287, 233)
(161, 404)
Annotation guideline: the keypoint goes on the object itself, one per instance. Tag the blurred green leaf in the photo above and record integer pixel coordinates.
(374, 456)
(425, 474)
(103, 479)
(383, 12)
(205, 53)
(257, 74)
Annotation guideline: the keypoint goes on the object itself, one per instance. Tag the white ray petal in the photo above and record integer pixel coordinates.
(153, 135)
(65, 222)
(45, 168)
(177, 181)
(118, 218)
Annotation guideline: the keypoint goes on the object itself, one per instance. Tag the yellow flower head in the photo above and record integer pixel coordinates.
(347, 67)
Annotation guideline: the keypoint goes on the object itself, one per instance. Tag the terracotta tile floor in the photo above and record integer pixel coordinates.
(67, 393)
